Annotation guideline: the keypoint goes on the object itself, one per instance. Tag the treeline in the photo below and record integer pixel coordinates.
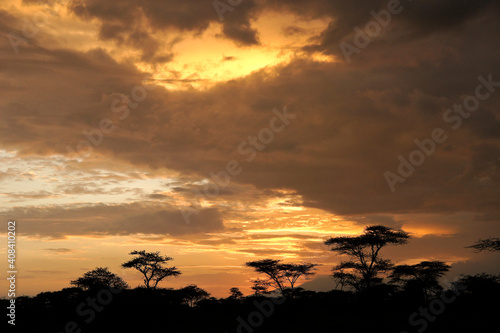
(470, 304)
(372, 295)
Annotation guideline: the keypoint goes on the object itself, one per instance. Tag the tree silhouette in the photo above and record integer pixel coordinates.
(235, 293)
(344, 279)
(361, 271)
(479, 283)
(279, 274)
(489, 244)
(260, 286)
(293, 272)
(422, 277)
(150, 264)
(192, 294)
(99, 278)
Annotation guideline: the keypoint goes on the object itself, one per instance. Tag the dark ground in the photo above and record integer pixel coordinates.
(72, 310)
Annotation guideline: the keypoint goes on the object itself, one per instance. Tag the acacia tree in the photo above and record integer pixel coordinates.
(99, 278)
(293, 272)
(344, 279)
(235, 293)
(489, 244)
(192, 294)
(150, 264)
(260, 286)
(422, 277)
(365, 263)
(279, 274)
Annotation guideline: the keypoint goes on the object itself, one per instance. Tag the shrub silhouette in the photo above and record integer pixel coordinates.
(99, 278)
(421, 278)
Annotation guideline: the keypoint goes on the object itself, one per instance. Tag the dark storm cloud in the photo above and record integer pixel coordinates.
(241, 33)
(351, 122)
(237, 26)
(135, 23)
(414, 20)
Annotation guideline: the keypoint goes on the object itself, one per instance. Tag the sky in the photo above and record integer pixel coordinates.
(219, 132)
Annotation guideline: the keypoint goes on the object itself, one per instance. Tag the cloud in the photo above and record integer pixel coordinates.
(144, 24)
(171, 222)
(269, 252)
(106, 220)
(352, 122)
(60, 250)
(241, 33)
(415, 20)
(228, 58)
(293, 30)
(237, 25)
(37, 272)
(32, 195)
(321, 176)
